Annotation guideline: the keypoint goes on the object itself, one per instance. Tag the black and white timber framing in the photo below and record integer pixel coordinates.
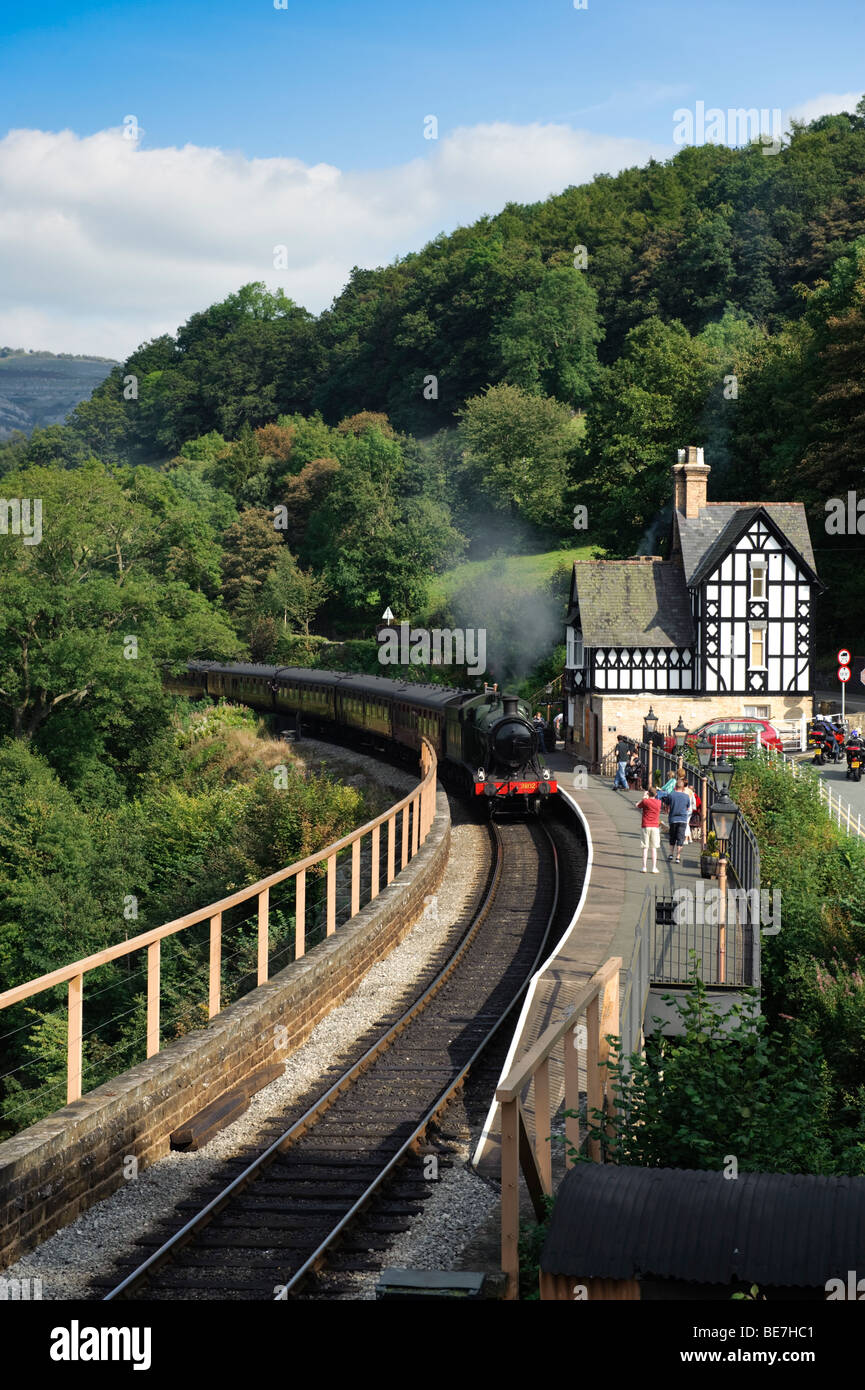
(731, 612)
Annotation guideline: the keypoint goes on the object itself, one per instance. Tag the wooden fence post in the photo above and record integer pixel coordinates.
(263, 933)
(153, 954)
(594, 1089)
(510, 1198)
(374, 869)
(74, 1040)
(299, 914)
(331, 894)
(215, 983)
(391, 847)
(572, 1089)
(543, 1147)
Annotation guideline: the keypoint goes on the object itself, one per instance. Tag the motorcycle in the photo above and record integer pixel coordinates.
(830, 744)
(855, 757)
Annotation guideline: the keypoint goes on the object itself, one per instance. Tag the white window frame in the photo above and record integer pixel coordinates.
(758, 566)
(752, 629)
(576, 656)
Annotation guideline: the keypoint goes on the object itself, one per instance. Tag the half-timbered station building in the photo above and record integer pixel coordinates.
(722, 628)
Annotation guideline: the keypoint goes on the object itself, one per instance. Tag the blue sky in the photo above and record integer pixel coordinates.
(348, 83)
(313, 120)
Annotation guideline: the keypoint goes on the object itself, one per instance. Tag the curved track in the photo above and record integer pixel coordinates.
(268, 1227)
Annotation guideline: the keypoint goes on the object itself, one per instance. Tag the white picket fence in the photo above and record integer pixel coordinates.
(839, 810)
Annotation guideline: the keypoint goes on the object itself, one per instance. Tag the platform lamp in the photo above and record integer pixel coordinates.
(722, 776)
(704, 756)
(680, 733)
(650, 722)
(724, 816)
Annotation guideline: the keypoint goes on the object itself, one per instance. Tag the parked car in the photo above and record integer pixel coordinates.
(733, 735)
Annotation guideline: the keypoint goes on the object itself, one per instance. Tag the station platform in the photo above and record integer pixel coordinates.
(615, 895)
(606, 926)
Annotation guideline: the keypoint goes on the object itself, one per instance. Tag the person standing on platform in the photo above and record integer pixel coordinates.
(678, 803)
(650, 808)
(621, 769)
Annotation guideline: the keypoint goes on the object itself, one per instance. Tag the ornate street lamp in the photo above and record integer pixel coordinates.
(724, 816)
(680, 733)
(650, 722)
(722, 776)
(704, 754)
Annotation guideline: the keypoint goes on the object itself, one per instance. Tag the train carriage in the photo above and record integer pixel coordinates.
(485, 744)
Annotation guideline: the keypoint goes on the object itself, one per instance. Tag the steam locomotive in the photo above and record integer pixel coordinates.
(485, 744)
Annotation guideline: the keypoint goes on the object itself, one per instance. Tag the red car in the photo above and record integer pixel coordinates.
(733, 736)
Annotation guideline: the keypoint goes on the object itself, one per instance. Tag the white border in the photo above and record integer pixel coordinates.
(530, 992)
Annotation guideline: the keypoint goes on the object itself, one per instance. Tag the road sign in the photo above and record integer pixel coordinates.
(844, 674)
(843, 657)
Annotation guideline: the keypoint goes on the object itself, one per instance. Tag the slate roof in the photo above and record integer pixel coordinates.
(616, 1222)
(714, 529)
(633, 603)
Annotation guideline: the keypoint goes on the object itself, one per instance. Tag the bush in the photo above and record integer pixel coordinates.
(727, 1086)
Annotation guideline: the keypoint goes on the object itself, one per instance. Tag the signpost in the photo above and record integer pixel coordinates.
(843, 675)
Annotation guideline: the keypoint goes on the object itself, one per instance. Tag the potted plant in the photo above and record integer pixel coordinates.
(710, 856)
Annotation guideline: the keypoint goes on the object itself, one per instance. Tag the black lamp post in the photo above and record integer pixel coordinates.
(650, 721)
(704, 755)
(724, 815)
(722, 776)
(680, 733)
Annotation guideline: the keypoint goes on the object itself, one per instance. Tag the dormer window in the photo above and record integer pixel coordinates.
(758, 578)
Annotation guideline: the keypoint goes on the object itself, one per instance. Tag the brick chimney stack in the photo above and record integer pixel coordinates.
(690, 476)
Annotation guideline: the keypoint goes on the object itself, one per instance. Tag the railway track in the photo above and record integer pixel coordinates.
(271, 1221)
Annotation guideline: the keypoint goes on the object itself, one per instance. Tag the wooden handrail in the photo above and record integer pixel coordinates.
(191, 919)
(522, 1072)
(420, 802)
(598, 1002)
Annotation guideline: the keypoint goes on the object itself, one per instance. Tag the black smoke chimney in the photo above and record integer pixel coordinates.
(511, 704)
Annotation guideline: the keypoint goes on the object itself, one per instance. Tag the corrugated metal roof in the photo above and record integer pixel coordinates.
(633, 603)
(616, 1222)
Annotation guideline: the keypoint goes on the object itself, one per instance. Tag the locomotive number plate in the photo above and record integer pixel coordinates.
(525, 786)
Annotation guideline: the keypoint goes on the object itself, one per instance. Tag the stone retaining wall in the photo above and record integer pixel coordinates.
(58, 1167)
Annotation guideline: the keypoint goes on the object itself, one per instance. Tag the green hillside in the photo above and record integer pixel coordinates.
(527, 571)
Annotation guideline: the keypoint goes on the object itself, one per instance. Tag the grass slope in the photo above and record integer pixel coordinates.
(530, 571)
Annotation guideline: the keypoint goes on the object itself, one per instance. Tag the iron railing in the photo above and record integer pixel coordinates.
(698, 931)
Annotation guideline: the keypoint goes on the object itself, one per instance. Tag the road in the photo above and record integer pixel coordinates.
(854, 792)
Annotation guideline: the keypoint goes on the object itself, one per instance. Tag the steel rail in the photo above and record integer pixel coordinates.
(191, 1228)
(317, 1258)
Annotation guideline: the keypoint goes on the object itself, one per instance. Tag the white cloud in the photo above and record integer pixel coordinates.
(105, 244)
(826, 105)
